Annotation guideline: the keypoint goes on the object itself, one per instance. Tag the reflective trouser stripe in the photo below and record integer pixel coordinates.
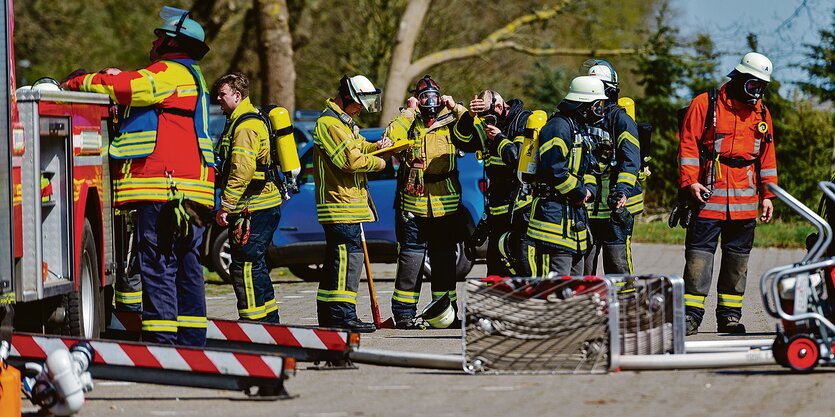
(342, 272)
(128, 297)
(629, 253)
(408, 297)
(730, 300)
(693, 300)
(159, 326)
(453, 295)
(546, 264)
(253, 313)
(248, 286)
(532, 260)
(194, 322)
(336, 296)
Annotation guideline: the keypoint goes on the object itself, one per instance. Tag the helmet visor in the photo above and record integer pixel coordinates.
(371, 101)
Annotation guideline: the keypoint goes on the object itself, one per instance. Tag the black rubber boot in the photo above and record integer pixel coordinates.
(729, 324)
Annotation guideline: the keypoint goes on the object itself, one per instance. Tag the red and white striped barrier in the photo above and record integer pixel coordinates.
(165, 364)
(302, 343)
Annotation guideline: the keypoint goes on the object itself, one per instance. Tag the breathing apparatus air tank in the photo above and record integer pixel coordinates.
(529, 154)
(284, 143)
(629, 105)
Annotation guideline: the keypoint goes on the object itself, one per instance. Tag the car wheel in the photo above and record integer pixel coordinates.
(220, 256)
(307, 272)
(463, 264)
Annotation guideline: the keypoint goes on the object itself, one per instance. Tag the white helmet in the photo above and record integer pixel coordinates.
(755, 64)
(363, 92)
(439, 313)
(586, 89)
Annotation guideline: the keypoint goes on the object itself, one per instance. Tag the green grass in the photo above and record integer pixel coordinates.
(776, 234)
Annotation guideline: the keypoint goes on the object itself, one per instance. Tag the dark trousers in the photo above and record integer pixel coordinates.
(701, 241)
(497, 263)
(614, 240)
(336, 300)
(417, 237)
(549, 260)
(249, 271)
(173, 296)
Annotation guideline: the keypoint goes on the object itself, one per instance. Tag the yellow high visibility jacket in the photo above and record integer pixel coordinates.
(441, 194)
(340, 163)
(246, 186)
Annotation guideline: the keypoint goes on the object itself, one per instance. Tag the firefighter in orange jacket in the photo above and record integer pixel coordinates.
(725, 167)
(165, 162)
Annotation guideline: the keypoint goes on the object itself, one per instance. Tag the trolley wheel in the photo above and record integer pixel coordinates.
(780, 350)
(802, 353)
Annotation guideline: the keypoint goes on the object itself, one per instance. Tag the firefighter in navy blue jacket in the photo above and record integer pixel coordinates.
(620, 196)
(559, 221)
(498, 125)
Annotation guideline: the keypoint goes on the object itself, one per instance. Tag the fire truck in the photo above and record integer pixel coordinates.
(57, 227)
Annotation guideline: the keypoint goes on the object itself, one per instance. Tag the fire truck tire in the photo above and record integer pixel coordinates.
(220, 257)
(85, 308)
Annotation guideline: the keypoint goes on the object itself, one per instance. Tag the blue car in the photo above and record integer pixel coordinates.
(299, 242)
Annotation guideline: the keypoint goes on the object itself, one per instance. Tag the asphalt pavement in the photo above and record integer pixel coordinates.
(386, 391)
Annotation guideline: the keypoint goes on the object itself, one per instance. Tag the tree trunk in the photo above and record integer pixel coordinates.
(275, 54)
(401, 58)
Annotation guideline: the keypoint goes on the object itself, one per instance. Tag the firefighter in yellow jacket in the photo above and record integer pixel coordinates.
(249, 201)
(428, 199)
(341, 161)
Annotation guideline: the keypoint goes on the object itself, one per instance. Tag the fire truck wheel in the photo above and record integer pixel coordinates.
(85, 308)
(220, 257)
(802, 353)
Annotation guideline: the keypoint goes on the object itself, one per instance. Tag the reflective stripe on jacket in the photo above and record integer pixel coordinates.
(735, 195)
(245, 186)
(623, 133)
(432, 145)
(164, 131)
(340, 164)
(564, 170)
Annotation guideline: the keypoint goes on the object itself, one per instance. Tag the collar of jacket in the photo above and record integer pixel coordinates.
(245, 106)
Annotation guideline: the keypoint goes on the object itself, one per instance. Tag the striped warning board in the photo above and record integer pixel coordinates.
(166, 365)
(301, 343)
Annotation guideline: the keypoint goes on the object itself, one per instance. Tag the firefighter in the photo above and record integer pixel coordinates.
(563, 184)
(341, 162)
(428, 219)
(165, 167)
(725, 168)
(249, 200)
(500, 129)
(620, 198)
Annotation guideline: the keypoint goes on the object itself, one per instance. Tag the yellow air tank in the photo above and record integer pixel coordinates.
(283, 141)
(529, 154)
(629, 105)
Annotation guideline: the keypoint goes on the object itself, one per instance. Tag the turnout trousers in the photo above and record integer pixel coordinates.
(336, 300)
(173, 292)
(614, 240)
(418, 237)
(700, 244)
(249, 271)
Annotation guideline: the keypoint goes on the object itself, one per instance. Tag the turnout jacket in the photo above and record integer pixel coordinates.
(340, 163)
(622, 173)
(562, 178)
(501, 155)
(433, 146)
(246, 185)
(730, 154)
(163, 138)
